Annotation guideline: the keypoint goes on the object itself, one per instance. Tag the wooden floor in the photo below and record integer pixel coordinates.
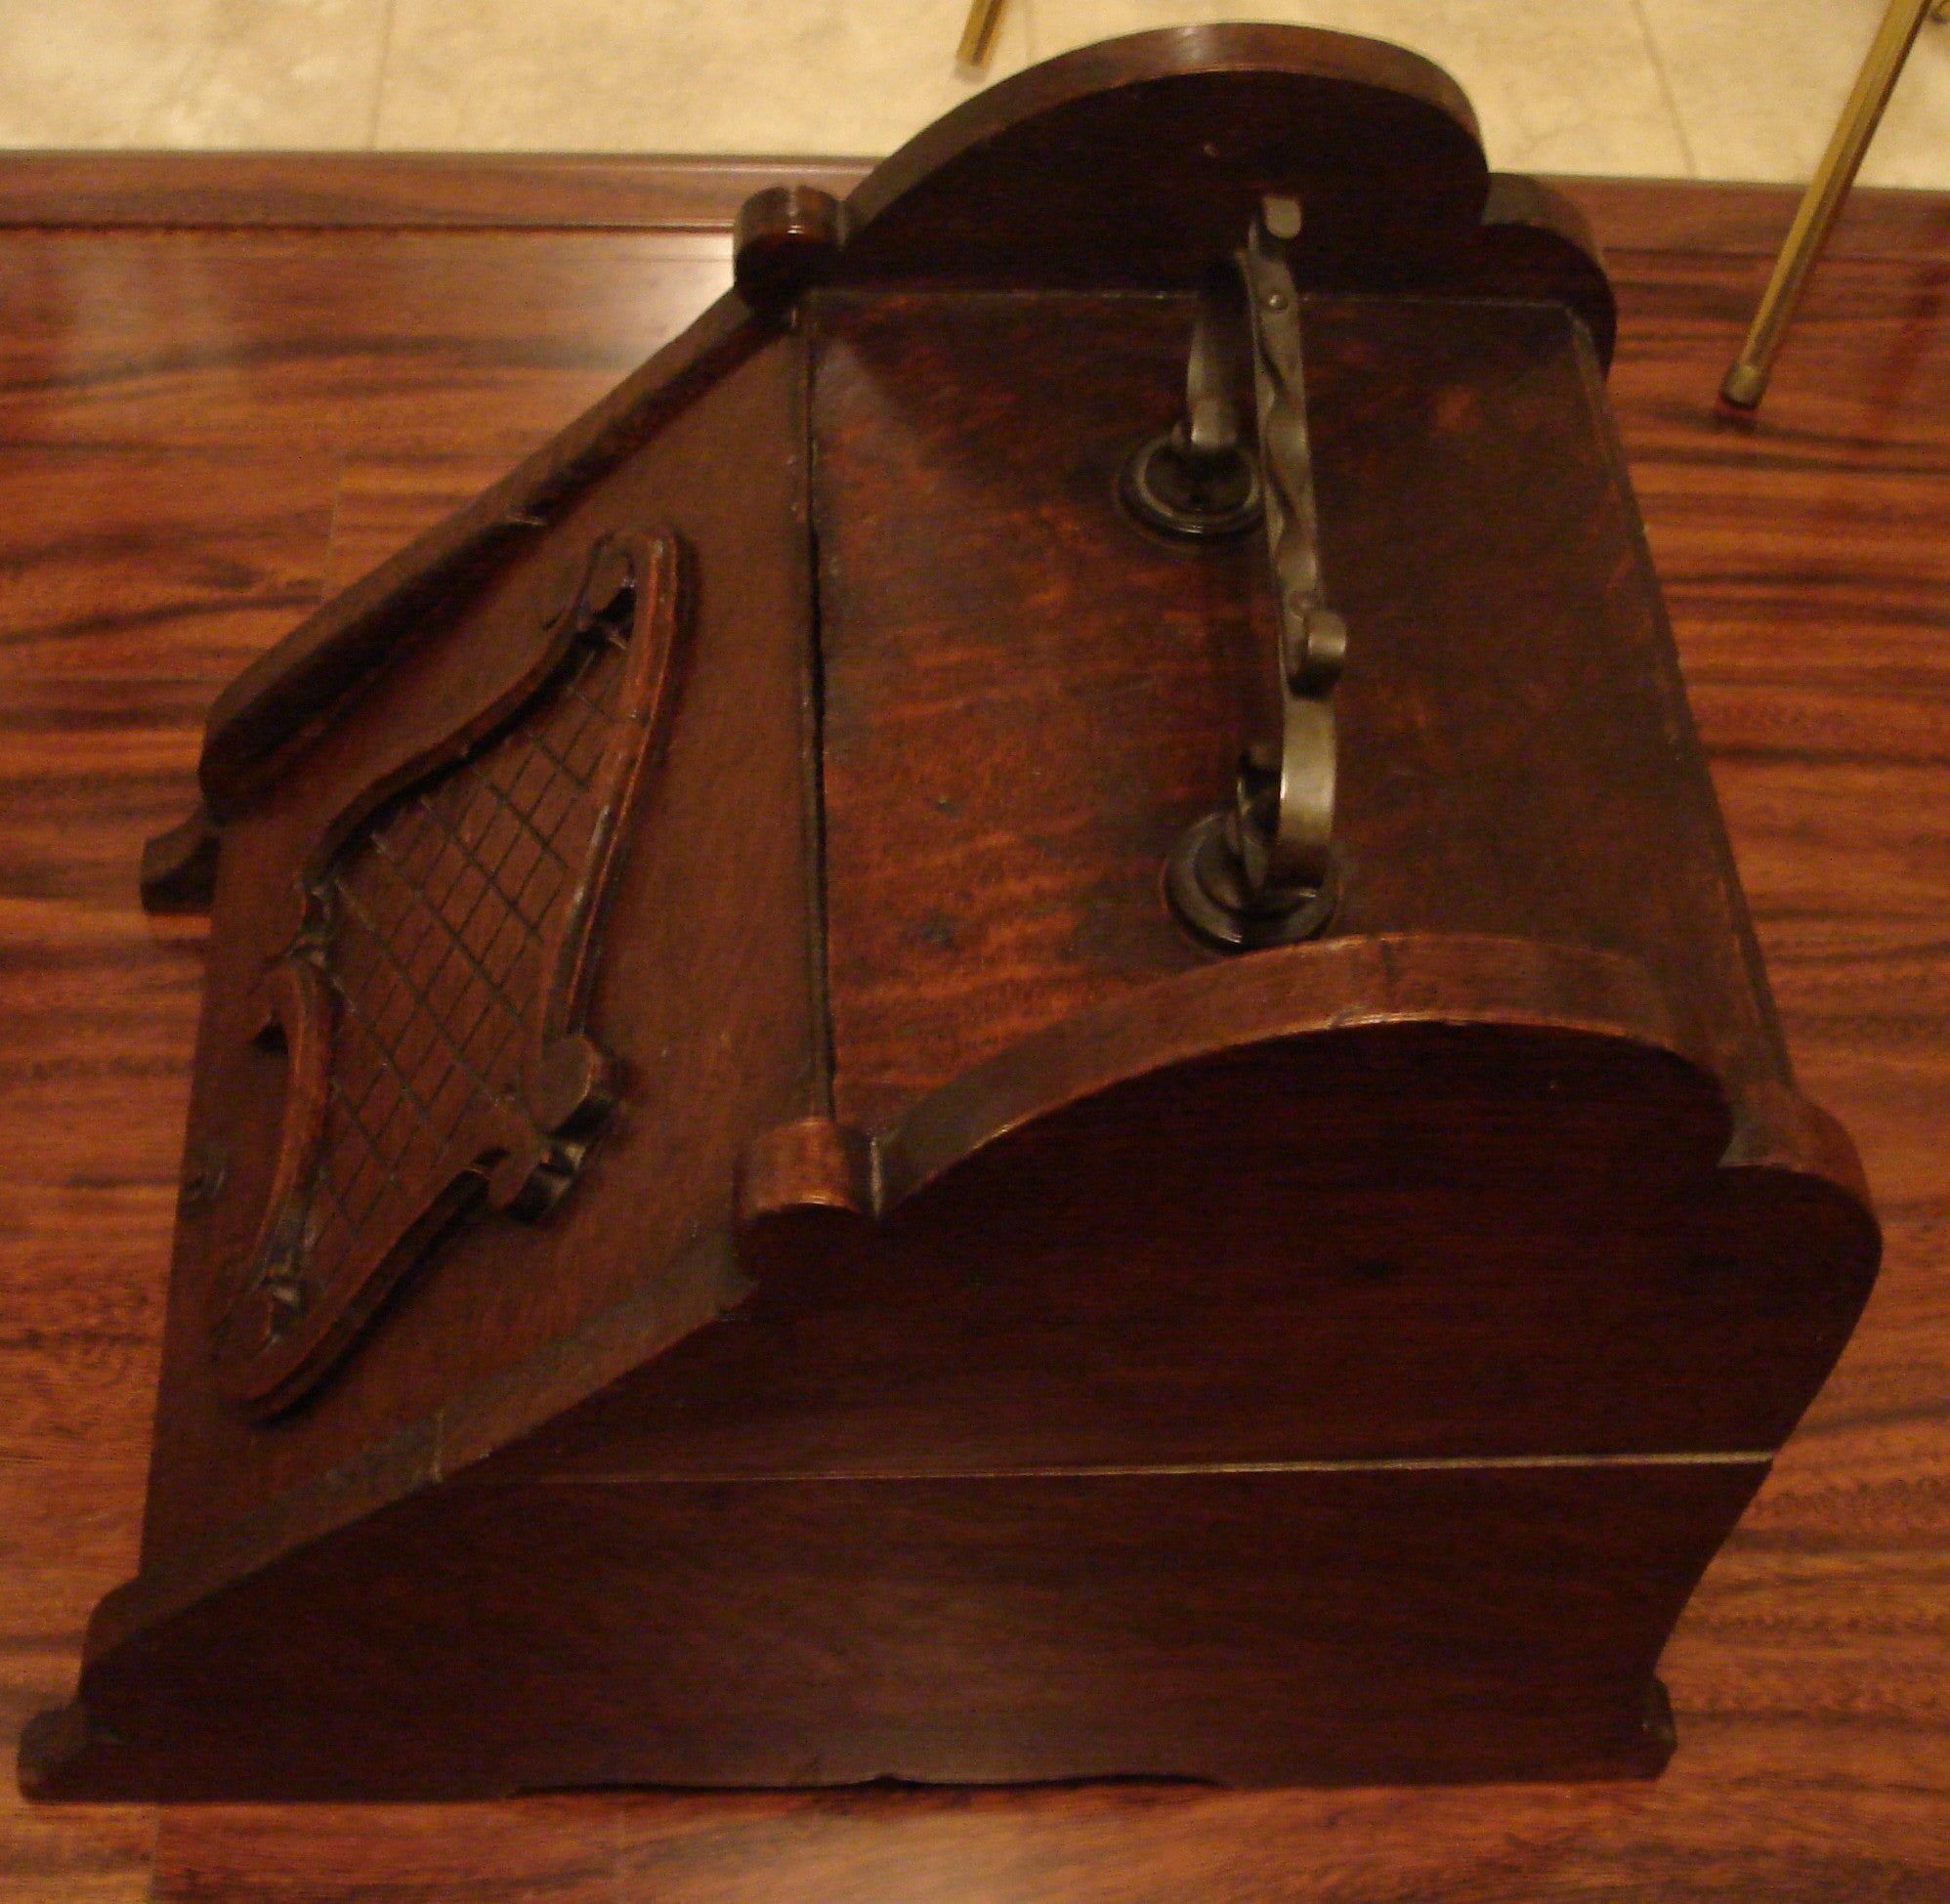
(206, 428)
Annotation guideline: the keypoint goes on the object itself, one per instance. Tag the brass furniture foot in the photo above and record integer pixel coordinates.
(1746, 382)
(978, 35)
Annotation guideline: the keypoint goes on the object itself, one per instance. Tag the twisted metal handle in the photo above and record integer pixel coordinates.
(1260, 872)
(1285, 802)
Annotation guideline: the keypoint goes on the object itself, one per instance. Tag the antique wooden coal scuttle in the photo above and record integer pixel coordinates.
(1005, 1035)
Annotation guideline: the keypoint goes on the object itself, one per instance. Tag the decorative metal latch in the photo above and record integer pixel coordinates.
(1260, 870)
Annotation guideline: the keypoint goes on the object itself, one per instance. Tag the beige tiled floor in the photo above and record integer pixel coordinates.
(1712, 88)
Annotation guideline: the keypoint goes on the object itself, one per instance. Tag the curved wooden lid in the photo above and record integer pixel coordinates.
(1139, 160)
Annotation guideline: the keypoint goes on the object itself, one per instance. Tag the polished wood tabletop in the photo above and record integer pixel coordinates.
(232, 386)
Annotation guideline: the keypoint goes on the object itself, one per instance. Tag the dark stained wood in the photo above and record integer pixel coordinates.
(1144, 158)
(1378, 146)
(1801, 561)
(1538, 243)
(1592, 1305)
(926, 1629)
(810, 1164)
(1466, 1202)
(787, 238)
(1380, 143)
(179, 868)
(1451, 1154)
(442, 191)
(430, 1003)
(1744, 221)
(139, 570)
(698, 1084)
(1515, 761)
(105, 191)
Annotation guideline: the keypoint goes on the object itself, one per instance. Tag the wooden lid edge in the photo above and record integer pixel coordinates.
(1327, 986)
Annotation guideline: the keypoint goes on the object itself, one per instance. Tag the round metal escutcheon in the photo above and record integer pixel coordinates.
(1203, 884)
(1167, 489)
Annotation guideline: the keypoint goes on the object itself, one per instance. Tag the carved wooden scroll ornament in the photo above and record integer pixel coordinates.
(431, 1005)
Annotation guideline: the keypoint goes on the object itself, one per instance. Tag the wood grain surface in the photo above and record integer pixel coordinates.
(434, 190)
(206, 428)
(1507, 760)
(147, 190)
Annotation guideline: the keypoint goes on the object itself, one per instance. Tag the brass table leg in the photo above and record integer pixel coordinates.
(978, 37)
(1746, 381)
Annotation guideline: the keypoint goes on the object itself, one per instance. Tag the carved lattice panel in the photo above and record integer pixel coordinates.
(430, 1007)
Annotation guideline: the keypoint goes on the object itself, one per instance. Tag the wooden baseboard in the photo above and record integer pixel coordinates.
(1737, 220)
(602, 191)
(427, 190)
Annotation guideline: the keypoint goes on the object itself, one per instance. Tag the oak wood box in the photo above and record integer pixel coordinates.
(739, 1225)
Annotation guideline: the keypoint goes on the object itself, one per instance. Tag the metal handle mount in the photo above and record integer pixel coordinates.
(1258, 872)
